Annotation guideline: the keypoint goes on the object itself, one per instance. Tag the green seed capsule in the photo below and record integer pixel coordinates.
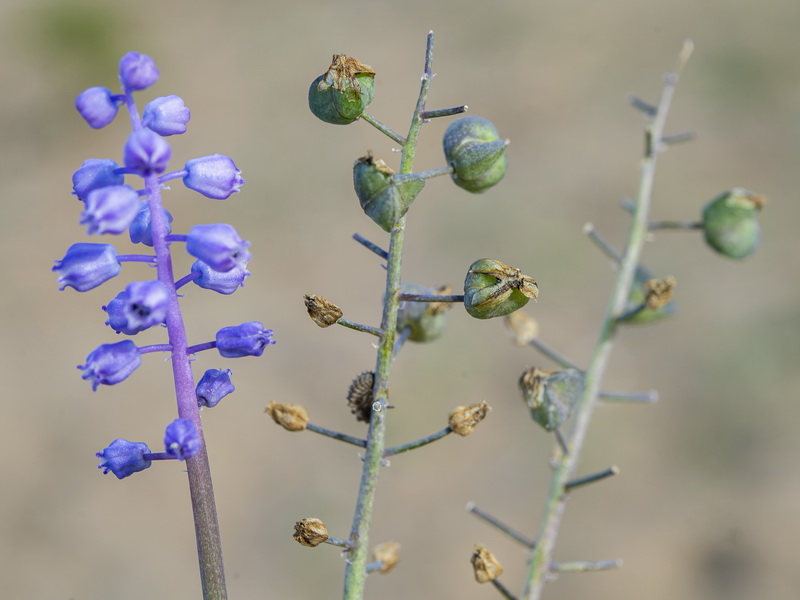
(384, 201)
(343, 92)
(477, 154)
(493, 289)
(425, 320)
(730, 223)
(551, 395)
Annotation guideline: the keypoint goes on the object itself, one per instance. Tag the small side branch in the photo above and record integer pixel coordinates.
(571, 485)
(342, 437)
(384, 129)
(417, 443)
(431, 297)
(443, 112)
(508, 530)
(370, 246)
(376, 331)
(503, 590)
(583, 566)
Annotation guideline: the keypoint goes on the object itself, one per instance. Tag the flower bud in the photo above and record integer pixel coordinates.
(359, 396)
(111, 363)
(389, 554)
(425, 320)
(656, 294)
(219, 246)
(166, 115)
(730, 222)
(146, 152)
(223, 283)
(110, 209)
(95, 173)
(86, 266)
(137, 71)
(292, 417)
(213, 386)
(485, 565)
(551, 395)
(247, 339)
(493, 289)
(123, 458)
(465, 418)
(383, 200)
(182, 440)
(140, 231)
(343, 92)
(310, 532)
(477, 154)
(322, 312)
(97, 106)
(215, 176)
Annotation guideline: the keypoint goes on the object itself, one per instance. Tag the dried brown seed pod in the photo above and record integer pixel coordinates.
(292, 417)
(465, 418)
(485, 565)
(310, 532)
(359, 396)
(322, 312)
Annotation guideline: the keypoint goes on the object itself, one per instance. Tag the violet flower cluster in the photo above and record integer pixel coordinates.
(112, 206)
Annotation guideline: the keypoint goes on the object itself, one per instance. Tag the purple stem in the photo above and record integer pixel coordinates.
(209, 546)
(136, 258)
(155, 348)
(200, 347)
(186, 279)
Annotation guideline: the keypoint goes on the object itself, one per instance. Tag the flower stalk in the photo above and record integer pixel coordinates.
(355, 571)
(539, 566)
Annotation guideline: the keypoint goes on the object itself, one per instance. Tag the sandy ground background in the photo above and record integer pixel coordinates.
(707, 502)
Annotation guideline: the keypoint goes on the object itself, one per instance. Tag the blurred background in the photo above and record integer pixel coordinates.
(706, 505)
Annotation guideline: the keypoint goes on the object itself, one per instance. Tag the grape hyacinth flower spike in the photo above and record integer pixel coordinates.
(127, 197)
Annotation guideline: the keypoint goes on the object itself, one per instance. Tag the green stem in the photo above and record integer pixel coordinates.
(384, 129)
(691, 225)
(432, 297)
(541, 556)
(507, 529)
(359, 327)
(417, 443)
(448, 170)
(356, 571)
(583, 566)
(342, 437)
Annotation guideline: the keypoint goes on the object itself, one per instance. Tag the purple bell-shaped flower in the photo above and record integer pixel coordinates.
(97, 106)
(247, 339)
(111, 363)
(95, 173)
(166, 115)
(137, 71)
(214, 176)
(219, 246)
(85, 266)
(146, 152)
(124, 458)
(110, 209)
(213, 387)
(181, 439)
